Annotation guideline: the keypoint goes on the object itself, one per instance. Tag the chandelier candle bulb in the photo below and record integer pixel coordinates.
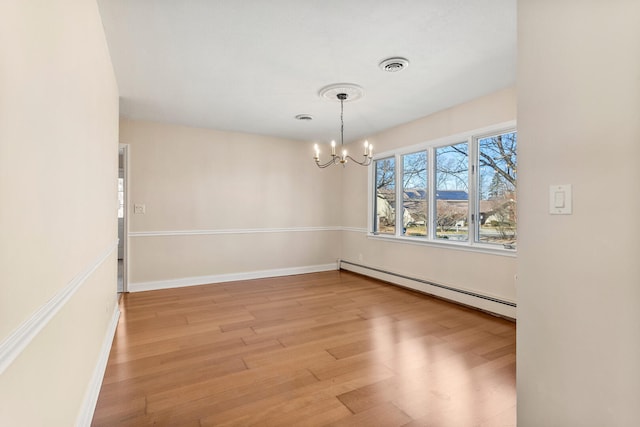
(333, 148)
(370, 151)
(366, 148)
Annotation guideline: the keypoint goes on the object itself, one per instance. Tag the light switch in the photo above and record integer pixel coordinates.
(139, 209)
(560, 200)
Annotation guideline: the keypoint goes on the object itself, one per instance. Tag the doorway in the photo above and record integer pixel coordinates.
(122, 217)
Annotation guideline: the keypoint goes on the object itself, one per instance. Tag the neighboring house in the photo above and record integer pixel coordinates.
(495, 210)
(415, 203)
(385, 209)
(499, 210)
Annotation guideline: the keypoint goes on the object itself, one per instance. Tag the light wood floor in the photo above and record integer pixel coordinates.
(330, 348)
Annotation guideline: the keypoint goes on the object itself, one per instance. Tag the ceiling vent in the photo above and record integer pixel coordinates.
(393, 65)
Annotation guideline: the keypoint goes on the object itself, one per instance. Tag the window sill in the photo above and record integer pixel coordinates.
(458, 246)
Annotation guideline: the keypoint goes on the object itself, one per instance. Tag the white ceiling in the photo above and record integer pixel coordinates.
(252, 65)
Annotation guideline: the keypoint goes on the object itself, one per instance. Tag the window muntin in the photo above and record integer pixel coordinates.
(415, 196)
(385, 192)
(497, 166)
(452, 192)
(466, 192)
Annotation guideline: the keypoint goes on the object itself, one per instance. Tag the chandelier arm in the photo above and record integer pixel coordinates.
(366, 162)
(326, 165)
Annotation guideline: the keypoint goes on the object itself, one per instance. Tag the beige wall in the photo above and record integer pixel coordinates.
(220, 203)
(578, 275)
(58, 170)
(486, 274)
(264, 208)
(578, 101)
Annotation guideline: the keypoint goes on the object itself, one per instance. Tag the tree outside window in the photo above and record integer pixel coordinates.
(471, 196)
(385, 202)
(415, 194)
(497, 166)
(452, 192)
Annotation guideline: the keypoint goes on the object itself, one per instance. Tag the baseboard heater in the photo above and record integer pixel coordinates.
(436, 285)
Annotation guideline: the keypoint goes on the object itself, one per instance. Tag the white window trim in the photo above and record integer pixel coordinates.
(471, 137)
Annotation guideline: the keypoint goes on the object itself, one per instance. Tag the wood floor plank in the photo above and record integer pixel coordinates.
(379, 416)
(331, 348)
(272, 407)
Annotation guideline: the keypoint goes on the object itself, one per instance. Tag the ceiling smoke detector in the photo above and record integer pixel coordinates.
(304, 117)
(393, 65)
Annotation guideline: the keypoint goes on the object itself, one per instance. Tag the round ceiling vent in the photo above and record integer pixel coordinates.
(394, 65)
(331, 92)
(304, 117)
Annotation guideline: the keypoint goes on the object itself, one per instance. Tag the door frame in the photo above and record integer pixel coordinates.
(125, 226)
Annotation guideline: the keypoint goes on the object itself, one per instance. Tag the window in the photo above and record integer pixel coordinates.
(497, 189)
(385, 200)
(415, 215)
(459, 190)
(452, 192)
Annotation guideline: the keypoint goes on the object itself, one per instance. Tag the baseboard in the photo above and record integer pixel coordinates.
(469, 298)
(233, 277)
(93, 389)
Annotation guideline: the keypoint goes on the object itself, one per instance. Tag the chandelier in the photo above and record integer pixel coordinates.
(342, 92)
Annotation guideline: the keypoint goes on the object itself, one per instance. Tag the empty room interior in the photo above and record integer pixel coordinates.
(319, 213)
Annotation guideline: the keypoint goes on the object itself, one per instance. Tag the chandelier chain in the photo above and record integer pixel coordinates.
(341, 122)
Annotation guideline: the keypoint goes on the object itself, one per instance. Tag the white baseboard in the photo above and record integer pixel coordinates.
(487, 303)
(93, 389)
(232, 277)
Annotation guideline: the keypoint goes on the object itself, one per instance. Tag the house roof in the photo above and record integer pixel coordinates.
(451, 195)
(415, 193)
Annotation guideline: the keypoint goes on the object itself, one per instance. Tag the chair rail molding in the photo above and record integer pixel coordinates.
(19, 339)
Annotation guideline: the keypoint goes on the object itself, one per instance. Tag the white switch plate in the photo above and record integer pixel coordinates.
(139, 209)
(560, 202)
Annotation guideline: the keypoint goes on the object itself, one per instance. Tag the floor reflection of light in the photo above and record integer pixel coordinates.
(455, 388)
(381, 336)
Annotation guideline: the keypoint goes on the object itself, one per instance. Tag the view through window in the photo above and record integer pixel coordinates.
(385, 197)
(471, 199)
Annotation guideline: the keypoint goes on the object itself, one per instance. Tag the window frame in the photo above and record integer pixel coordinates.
(472, 243)
(374, 211)
(401, 172)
